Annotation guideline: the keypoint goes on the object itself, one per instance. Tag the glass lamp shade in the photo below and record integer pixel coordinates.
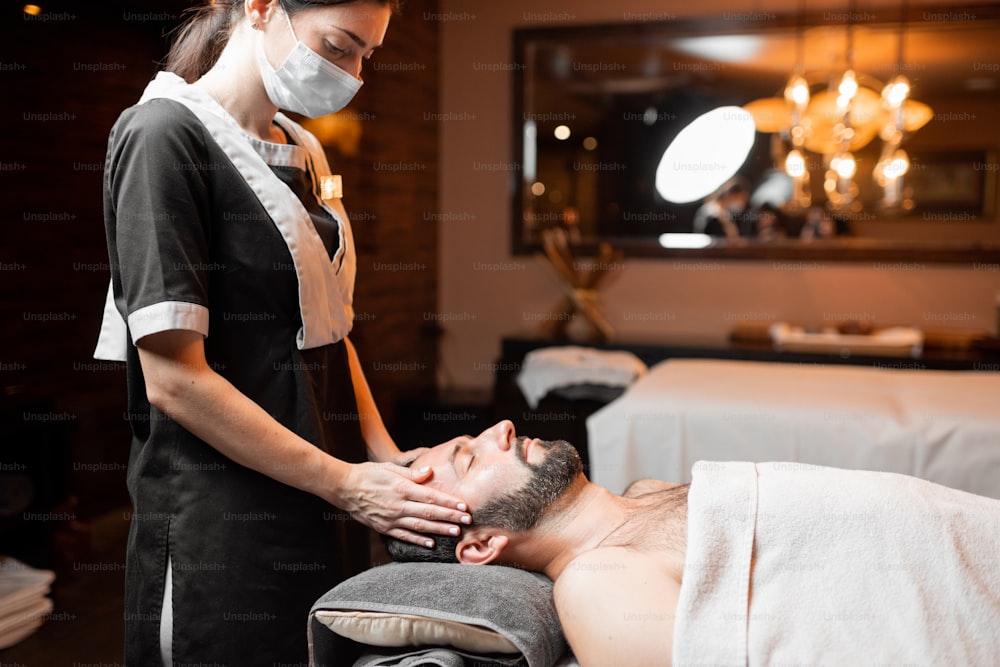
(823, 115)
(770, 114)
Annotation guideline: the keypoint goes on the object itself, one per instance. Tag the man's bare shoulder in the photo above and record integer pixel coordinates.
(607, 566)
(613, 600)
(600, 560)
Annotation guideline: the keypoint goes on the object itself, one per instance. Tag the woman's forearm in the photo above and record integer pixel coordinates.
(380, 444)
(181, 384)
(389, 498)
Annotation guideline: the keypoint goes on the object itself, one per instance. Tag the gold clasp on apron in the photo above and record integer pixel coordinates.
(331, 187)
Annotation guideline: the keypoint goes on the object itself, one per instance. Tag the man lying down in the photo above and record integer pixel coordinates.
(751, 564)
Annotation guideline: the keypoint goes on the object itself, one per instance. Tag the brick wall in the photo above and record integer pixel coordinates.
(391, 192)
(66, 75)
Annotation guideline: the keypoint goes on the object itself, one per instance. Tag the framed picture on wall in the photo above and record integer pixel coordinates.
(962, 181)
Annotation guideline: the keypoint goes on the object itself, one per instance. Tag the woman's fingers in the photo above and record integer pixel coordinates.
(426, 494)
(420, 475)
(387, 498)
(411, 537)
(430, 516)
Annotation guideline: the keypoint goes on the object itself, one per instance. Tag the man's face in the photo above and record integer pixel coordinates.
(507, 480)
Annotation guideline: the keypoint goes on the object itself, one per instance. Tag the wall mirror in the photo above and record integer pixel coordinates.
(596, 108)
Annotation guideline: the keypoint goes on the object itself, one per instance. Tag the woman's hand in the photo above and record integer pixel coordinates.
(392, 500)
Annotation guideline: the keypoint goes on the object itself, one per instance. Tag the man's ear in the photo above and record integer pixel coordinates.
(480, 546)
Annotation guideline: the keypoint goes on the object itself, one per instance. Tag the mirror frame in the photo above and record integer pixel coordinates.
(817, 251)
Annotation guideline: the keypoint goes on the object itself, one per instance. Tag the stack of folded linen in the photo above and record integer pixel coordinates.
(564, 366)
(23, 600)
(890, 341)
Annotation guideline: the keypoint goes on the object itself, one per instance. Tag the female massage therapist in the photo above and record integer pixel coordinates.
(230, 301)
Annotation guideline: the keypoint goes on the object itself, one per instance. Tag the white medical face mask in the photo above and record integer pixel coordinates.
(306, 83)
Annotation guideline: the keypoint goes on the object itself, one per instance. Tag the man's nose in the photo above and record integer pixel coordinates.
(500, 434)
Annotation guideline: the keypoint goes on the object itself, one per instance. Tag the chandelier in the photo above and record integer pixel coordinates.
(834, 115)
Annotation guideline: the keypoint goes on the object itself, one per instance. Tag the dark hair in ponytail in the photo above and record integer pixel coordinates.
(206, 30)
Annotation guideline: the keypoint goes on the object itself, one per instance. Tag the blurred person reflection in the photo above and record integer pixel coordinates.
(720, 214)
(820, 224)
(769, 224)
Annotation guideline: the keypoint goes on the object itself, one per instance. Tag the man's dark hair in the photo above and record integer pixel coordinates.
(443, 550)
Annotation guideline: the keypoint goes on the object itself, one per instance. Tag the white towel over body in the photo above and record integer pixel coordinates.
(789, 563)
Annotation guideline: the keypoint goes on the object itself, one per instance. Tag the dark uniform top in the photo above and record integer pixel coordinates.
(192, 247)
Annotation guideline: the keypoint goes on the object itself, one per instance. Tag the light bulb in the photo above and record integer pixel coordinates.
(797, 91)
(844, 165)
(896, 92)
(795, 164)
(899, 164)
(848, 86)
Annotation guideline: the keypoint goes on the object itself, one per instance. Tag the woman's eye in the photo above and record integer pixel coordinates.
(334, 49)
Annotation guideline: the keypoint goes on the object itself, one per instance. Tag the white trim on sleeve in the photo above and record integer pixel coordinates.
(166, 316)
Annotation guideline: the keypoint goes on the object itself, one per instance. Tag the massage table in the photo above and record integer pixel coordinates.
(942, 426)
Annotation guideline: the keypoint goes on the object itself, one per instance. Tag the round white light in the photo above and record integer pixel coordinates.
(848, 86)
(561, 132)
(705, 154)
(896, 92)
(797, 91)
(845, 166)
(898, 166)
(795, 164)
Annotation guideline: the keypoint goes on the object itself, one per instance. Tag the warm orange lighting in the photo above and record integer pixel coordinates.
(770, 114)
(896, 92)
(797, 91)
(341, 130)
(824, 121)
(848, 86)
(844, 165)
(795, 164)
(32, 10)
(895, 166)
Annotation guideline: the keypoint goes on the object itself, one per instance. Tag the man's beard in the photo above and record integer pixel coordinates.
(521, 509)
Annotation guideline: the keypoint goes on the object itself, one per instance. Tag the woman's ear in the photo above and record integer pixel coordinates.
(259, 11)
(480, 546)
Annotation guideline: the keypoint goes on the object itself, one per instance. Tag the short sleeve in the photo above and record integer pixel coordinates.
(157, 205)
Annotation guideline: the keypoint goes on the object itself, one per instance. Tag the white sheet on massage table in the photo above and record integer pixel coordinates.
(943, 426)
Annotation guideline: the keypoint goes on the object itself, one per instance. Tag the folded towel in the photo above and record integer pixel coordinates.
(550, 368)
(23, 602)
(792, 563)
